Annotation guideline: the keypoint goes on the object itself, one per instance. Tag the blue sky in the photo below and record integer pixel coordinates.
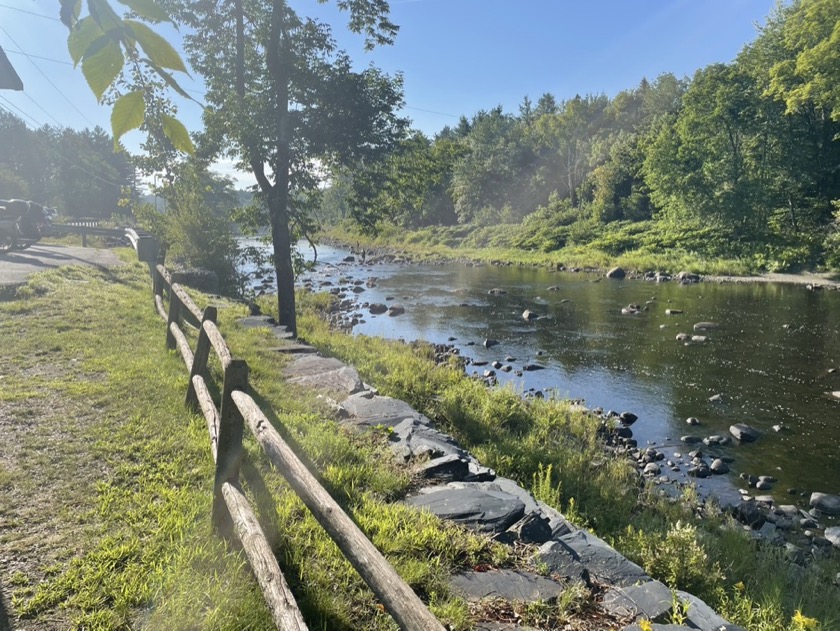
(457, 56)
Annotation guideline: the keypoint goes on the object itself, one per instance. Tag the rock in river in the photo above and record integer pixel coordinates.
(529, 315)
(616, 273)
(828, 504)
(377, 308)
(744, 432)
(705, 326)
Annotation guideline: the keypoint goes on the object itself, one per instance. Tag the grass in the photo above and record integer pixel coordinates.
(106, 486)
(498, 244)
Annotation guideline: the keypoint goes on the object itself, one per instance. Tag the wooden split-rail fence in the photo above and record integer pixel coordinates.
(232, 512)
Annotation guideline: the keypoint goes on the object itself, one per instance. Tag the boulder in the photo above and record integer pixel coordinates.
(825, 503)
(833, 535)
(744, 432)
(701, 616)
(617, 273)
(749, 514)
(377, 308)
(396, 310)
(529, 315)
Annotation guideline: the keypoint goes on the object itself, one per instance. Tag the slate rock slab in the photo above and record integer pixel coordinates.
(701, 616)
(511, 585)
(452, 467)
(581, 550)
(379, 410)
(659, 627)
(651, 600)
(344, 380)
(414, 438)
(308, 365)
(505, 485)
(825, 503)
(484, 511)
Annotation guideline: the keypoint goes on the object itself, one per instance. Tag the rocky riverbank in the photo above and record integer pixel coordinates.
(456, 487)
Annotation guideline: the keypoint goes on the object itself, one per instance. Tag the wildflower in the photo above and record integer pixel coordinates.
(802, 623)
(740, 586)
(645, 625)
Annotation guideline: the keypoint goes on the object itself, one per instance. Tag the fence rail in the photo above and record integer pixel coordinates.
(232, 513)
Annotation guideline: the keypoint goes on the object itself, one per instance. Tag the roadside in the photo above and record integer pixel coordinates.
(17, 266)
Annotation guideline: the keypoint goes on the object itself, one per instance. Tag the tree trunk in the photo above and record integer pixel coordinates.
(279, 200)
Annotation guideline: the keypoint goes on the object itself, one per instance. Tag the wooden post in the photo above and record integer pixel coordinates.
(229, 455)
(202, 354)
(174, 316)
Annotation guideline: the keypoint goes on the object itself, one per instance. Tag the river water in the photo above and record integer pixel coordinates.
(771, 358)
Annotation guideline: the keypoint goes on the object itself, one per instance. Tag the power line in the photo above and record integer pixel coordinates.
(40, 15)
(3, 98)
(48, 79)
(38, 105)
(20, 52)
(54, 150)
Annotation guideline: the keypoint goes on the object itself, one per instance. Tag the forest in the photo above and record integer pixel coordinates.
(77, 172)
(740, 161)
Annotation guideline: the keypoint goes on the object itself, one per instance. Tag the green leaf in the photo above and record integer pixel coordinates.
(148, 9)
(156, 47)
(128, 113)
(101, 11)
(177, 134)
(69, 12)
(85, 33)
(103, 66)
(169, 79)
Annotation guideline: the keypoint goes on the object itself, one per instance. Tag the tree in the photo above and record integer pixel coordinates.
(120, 58)
(285, 102)
(811, 71)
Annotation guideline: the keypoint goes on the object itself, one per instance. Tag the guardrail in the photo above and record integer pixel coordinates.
(145, 244)
(232, 513)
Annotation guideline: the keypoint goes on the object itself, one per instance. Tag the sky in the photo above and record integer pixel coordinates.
(456, 56)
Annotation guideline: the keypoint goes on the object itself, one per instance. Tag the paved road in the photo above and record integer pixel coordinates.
(16, 266)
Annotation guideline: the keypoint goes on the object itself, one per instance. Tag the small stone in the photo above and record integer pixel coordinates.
(691, 420)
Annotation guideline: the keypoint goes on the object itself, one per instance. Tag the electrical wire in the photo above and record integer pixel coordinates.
(40, 15)
(92, 124)
(54, 150)
(20, 52)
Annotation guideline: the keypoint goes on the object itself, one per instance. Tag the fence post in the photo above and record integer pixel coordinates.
(229, 454)
(202, 353)
(174, 316)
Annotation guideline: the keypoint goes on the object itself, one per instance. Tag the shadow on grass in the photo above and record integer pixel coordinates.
(5, 620)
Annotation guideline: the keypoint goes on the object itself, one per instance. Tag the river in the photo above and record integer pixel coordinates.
(774, 358)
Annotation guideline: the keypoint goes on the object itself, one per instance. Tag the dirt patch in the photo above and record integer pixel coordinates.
(43, 510)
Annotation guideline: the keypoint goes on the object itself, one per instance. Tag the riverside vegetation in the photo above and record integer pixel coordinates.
(107, 483)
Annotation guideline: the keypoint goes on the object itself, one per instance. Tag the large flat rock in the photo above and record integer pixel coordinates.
(583, 556)
(345, 380)
(379, 410)
(414, 438)
(651, 600)
(309, 365)
(484, 511)
(823, 502)
(509, 585)
(701, 616)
